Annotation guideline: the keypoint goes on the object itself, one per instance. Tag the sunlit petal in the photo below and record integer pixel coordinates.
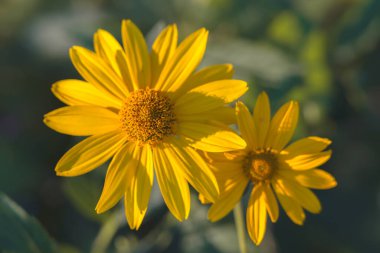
(292, 208)
(282, 126)
(261, 118)
(207, 75)
(137, 54)
(195, 169)
(138, 189)
(246, 125)
(77, 92)
(181, 65)
(210, 137)
(256, 215)
(123, 164)
(89, 154)
(231, 195)
(172, 182)
(82, 120)
(163, 49)
(95, 71)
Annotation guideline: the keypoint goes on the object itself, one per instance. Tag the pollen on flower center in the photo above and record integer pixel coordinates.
(260, 165)
(147, 116)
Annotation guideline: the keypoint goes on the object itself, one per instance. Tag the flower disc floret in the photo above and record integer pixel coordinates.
(260, 165)
(147, 116)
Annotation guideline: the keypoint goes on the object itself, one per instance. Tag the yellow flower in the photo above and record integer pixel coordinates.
(270, 166)
(146, 110)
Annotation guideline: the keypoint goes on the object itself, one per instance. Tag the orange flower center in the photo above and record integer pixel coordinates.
(147, 116)
(260, 165)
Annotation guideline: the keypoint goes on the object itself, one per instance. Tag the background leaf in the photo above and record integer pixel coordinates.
(84, 192)
(20, 233)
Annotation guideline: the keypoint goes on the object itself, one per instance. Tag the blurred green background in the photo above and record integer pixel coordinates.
(324, 53)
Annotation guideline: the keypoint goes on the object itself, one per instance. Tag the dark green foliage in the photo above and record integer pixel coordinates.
(21, 233)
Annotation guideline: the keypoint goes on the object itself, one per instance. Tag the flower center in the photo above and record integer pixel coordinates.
(260, 165)
(147, 116)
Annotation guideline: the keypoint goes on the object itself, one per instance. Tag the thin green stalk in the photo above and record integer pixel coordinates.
(107, 232)
(239, 225)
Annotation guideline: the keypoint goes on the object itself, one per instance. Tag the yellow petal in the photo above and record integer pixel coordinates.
(127, 74)
(270, 202)
(172, 182)
(316, 179)
(246, 125)
(77, 92)
(203, 199)
(194, 103)
(232, 181)
(106, 46)
(184, 61)
(256, 215)
(292, 208)
(137, 54)
(97, 72)
(163, 49)
(207, 75)
(89, 154)
(231, 195)
(309, 145)
(306, 162)
(195, 169)
(139, 188)
(110, 50)
(223, 114)
(233, 156)
(227, 171)
(121, 169)
(82, 120)
(210, 137)
(261, 118)
(302, 195)
(282, 126)
(225, 90)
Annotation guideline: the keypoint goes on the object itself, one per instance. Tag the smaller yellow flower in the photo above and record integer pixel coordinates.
(289, 172)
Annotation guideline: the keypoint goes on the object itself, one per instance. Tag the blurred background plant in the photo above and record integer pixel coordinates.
(324, 53)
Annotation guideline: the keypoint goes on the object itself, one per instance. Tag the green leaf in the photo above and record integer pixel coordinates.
(21, 233)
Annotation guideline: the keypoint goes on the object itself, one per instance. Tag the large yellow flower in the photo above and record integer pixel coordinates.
(269, 165)
(146, 110)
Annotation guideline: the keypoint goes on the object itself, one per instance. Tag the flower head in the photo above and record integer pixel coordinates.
(146, 110)
(272, 167)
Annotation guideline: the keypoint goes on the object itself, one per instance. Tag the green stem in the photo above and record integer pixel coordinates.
(239, 225)
(107, 232)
